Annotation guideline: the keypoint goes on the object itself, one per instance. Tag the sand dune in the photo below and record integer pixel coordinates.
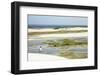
(52, 30)
(83, 34)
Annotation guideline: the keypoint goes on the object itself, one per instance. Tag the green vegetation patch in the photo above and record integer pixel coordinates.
(64, 42)
(73, 54)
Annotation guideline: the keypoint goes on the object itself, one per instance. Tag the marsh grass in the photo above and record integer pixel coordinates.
(73, 54)
(65, 42)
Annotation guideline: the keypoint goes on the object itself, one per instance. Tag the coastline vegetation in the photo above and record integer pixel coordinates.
(64, 52)
(65, 42)
(73, 54)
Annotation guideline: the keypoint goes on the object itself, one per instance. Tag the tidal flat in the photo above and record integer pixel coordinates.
(67, 43)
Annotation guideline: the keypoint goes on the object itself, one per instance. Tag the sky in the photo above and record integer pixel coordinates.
(56, 20)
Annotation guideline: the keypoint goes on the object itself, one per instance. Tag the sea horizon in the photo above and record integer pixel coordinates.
(55, 26)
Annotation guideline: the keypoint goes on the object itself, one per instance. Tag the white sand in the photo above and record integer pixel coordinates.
(44, 57)
(83, 34)
(51, 30)
(41, 30)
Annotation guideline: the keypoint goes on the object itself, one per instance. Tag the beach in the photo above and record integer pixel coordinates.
(51, 29)
(53, 43)
(44, 57)
(64, 35)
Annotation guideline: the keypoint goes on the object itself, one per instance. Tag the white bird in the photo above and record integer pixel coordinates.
(40, 49)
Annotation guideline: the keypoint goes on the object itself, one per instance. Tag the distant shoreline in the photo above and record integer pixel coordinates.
(55, 26)
(52, 29)
(57, 31)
